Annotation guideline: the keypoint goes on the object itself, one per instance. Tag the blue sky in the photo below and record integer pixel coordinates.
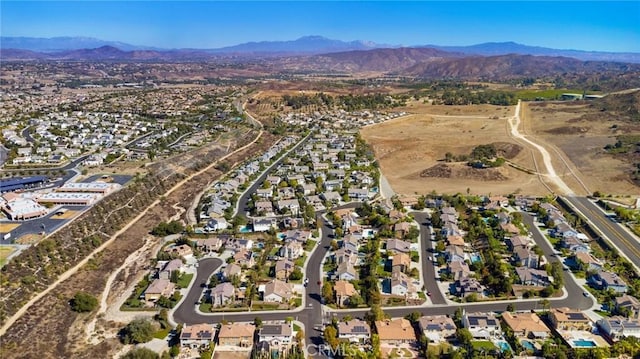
(591, 25)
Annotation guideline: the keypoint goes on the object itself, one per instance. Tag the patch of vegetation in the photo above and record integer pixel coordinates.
(83, 302)
(167, 228)
(138, 331)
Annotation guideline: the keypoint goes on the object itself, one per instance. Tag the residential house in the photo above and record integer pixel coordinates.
(264, 208)
(398, 246)
(346, 271)
(244, 258)
(231, 270)
(197, 335)
(401, 284)
(516, 242)
(437, 328)
(526, 325)
(217, 224)
(395, 332)
(283, 269)
(358, 194)
(454, 253)
(456, 241)
(450, 229)
(264, 193)
(354, 330)
(222, 294)
(263, 224)
(526, 257)
(628, 303)
(209, 245)
(289, 205)
(589, 262)
(401, 229)
(608, 280)
(530, 276)
(236, 334)
(171, 266)
(344, 254)
(469, 285)
(277, 291)
(277, 335)
(459, 270)
(182, 250)
(481, 325)
(509, 229)
(343, 290)
(331, 196)
(159, 288)
(400, 262)
(569, 319)
(616, 328)
(291, 250)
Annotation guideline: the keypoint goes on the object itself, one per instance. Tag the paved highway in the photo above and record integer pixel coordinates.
(612, 231)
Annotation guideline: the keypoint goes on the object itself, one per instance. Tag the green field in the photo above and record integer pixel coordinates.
(552, 94)
(5, 252)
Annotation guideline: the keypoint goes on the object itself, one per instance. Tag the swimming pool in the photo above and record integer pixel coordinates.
(527, 345)
(245, 229)
(504, 346)
(475, 258)
(583, 343)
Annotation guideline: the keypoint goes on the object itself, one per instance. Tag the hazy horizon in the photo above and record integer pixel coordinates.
(589, 26)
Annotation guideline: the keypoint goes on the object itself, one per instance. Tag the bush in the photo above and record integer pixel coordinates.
(138, 331)
(167, 228)
(83, 302)
(141, 353)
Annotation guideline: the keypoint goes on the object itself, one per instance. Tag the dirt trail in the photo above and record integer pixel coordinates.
(66, 275)
(550, 174)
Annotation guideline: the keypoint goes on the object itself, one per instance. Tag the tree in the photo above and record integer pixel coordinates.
(511, 307)
(331, 336)
(83, 302)
(257, 321)
(296, 274)
(174, 351)
(138, 331)
(327, 292)
(141, 353)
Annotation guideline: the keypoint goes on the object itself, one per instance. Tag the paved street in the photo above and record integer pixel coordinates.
(612, 231)
(312, 313)
(428, 269)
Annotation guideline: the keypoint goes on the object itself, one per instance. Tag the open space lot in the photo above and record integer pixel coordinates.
(580, 132)
(408, 146)
(5, 252)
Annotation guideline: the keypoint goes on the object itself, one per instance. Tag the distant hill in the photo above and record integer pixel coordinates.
(510, 66)
(382, 60)
(107, 53)
(57, 44)
(303, 45)
(505, 48)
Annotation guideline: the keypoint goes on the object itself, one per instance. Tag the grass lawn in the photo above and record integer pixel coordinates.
(483, 344)
(296, 327)
(161, 334)
(308, 246)
(205, 307)
(300, 261)
(184, 280)
(5, 252)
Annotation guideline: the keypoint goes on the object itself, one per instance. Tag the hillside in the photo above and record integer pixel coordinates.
(510, 66)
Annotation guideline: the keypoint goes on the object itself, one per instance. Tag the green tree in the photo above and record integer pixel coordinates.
(174, 351)
(138, 331)
(83, 302)
(141, 353)
(331, 336)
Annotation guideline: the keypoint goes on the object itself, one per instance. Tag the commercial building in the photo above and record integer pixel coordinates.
(68, 198)
(19, 183)
(17, 207)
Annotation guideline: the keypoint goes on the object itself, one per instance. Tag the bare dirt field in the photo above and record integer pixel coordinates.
(8, 227)
(578, 133)
(411, 150)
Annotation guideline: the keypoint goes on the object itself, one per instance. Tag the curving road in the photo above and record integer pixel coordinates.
(551, 174)
(313, 312)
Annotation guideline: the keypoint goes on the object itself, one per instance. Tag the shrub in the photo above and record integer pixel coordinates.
(83, 302)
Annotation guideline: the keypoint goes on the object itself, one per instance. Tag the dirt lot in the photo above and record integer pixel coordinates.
(580, 132)
(411, 146)
(60, 331)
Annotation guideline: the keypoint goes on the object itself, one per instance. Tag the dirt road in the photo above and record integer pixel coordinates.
(549, 172)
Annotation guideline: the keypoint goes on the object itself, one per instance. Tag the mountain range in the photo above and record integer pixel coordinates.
(307, 45)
